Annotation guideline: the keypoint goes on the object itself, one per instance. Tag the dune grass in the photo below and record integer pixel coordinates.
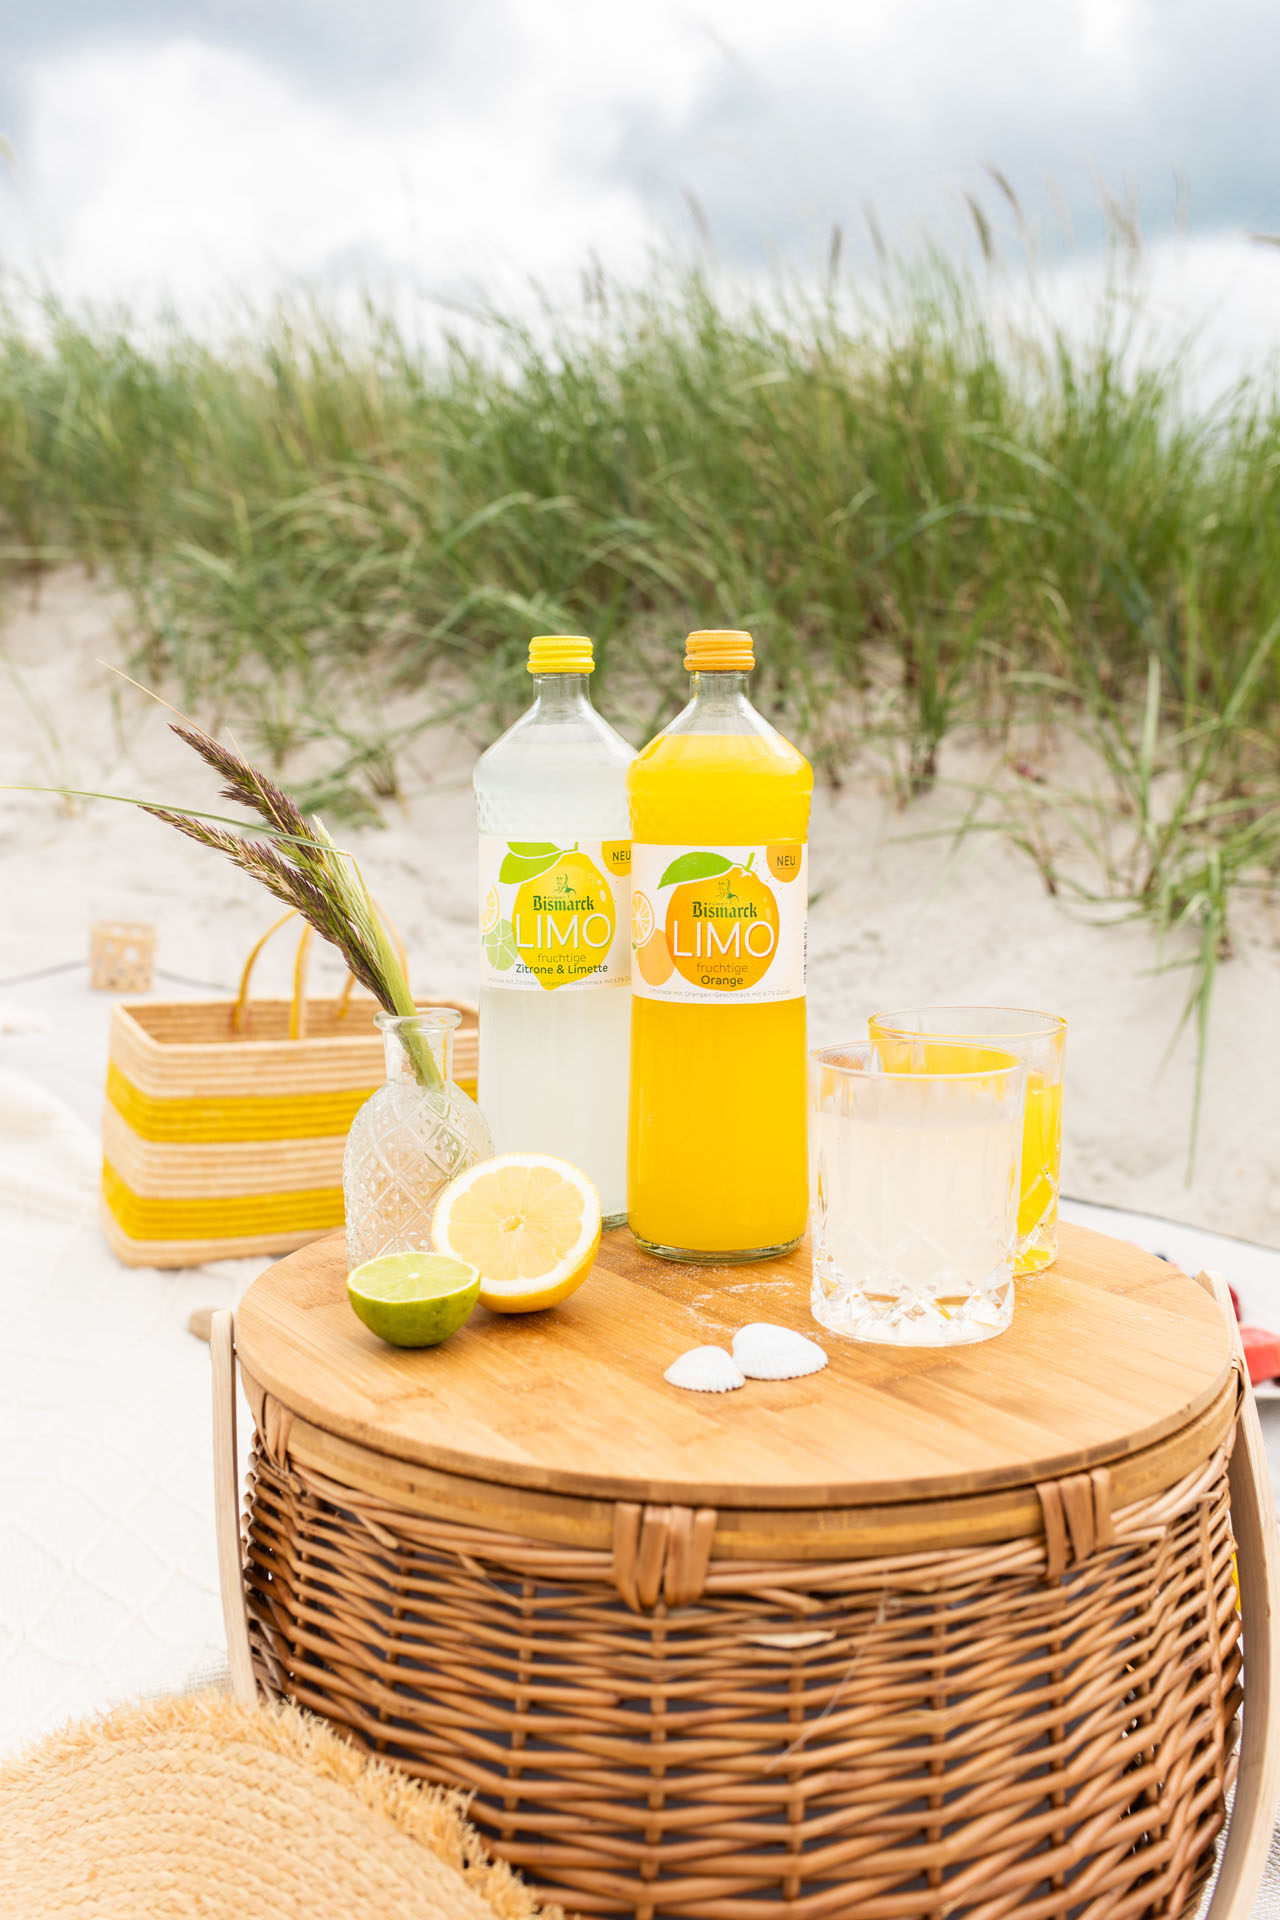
(930, 521)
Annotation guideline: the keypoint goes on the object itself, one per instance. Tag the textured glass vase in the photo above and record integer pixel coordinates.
(409, 1140)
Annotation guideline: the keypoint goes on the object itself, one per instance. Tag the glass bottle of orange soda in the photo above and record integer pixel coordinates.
(719, 819)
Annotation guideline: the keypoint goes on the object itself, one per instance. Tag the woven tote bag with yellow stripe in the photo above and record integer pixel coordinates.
(225, 1120)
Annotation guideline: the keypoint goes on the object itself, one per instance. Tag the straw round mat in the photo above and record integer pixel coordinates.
(199, 1806)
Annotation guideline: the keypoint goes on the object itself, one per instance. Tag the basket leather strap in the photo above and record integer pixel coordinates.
(275, 1426)
(661, 1552)
(1253, 1522)
(226, 1507)
(1077, 1518)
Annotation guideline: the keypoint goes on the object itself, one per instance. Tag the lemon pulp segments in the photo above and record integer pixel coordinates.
(518, 1223)
(529, 1222)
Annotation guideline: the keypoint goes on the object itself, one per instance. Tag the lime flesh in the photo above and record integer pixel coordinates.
(413, 1299)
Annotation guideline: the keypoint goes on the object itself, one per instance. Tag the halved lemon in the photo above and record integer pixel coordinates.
(489, 911)
(530, 1223)
(641, 917)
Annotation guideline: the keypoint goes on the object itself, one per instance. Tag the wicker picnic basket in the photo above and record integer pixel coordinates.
(225, 1120)
(926, 1634)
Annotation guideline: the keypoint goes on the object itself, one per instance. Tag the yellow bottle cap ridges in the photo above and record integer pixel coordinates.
(561, 653)
(719, 652)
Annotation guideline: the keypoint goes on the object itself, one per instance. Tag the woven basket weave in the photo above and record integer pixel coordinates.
(218, 1142)
(977, 1732)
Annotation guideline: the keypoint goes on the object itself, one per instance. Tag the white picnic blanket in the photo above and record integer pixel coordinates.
(108, 1575)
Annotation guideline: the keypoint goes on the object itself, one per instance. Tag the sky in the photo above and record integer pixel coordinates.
(186, 151)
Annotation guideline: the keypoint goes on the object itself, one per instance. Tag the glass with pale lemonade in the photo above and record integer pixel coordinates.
(914, 1166)
(1040, 1041)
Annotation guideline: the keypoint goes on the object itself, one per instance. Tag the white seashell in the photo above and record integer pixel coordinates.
(705, 1370)
(765, 1352)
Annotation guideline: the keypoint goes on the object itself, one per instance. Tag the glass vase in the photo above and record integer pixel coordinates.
(410, 1139)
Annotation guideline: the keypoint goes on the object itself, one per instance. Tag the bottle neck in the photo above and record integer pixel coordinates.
(406, 1040)
(719, 692)
(718, 703)
(559, 696)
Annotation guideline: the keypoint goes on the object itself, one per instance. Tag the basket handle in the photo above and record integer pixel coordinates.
(226, 1506)
(298, 1004)
(1253, 1520)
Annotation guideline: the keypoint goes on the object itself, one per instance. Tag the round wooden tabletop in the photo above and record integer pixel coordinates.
(1111, 1351)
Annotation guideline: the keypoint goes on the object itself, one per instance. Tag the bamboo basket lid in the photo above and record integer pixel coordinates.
(1113, 1356)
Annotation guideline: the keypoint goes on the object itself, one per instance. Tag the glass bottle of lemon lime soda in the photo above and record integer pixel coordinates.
(555, 926)
(719, 820)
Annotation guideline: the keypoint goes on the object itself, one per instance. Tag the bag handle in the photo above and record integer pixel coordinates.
(226, 1506)
(1253, 1520)
(298, 1004)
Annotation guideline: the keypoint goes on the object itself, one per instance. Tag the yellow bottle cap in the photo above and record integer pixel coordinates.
(721, 652)
(561, 653)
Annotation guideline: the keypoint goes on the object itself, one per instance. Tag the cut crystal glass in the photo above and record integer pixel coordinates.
(408, 1141)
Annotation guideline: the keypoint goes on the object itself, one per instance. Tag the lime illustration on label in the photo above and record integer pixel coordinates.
(709, 923)
(548, 917)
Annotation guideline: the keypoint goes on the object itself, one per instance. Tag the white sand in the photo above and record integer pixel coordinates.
(895, 919)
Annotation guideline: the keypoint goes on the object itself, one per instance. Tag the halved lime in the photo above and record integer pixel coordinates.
(413, 1299)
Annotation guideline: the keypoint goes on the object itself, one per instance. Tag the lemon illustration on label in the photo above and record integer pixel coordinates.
(721, 923)
(490, 912)
(784, 859)
(563, 918)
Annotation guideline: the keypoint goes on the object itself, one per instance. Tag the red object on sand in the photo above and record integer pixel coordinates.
(1261, 1348)
(1261, 1352)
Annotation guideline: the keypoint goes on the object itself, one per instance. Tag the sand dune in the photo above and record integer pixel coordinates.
(896, 918)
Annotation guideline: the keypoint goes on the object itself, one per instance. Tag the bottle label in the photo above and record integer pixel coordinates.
(554, 918)
(720, 924)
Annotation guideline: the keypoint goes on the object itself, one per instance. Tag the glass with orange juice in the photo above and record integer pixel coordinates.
(1040, 1041)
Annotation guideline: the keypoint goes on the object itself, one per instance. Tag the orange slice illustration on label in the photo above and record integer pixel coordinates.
(641, 918)
(784, 859)
(490, 911)
(722, 922)
(654, 959)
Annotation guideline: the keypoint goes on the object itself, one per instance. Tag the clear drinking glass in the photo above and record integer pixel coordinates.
(1040, 1042)
(914, 1177)
(409, 1140)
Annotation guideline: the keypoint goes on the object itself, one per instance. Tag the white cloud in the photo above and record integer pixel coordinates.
(183, 170)
(1213, 298)
(479, 147)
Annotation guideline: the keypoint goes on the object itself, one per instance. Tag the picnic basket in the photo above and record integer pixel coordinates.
(924, 1635)
(225, 1120)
